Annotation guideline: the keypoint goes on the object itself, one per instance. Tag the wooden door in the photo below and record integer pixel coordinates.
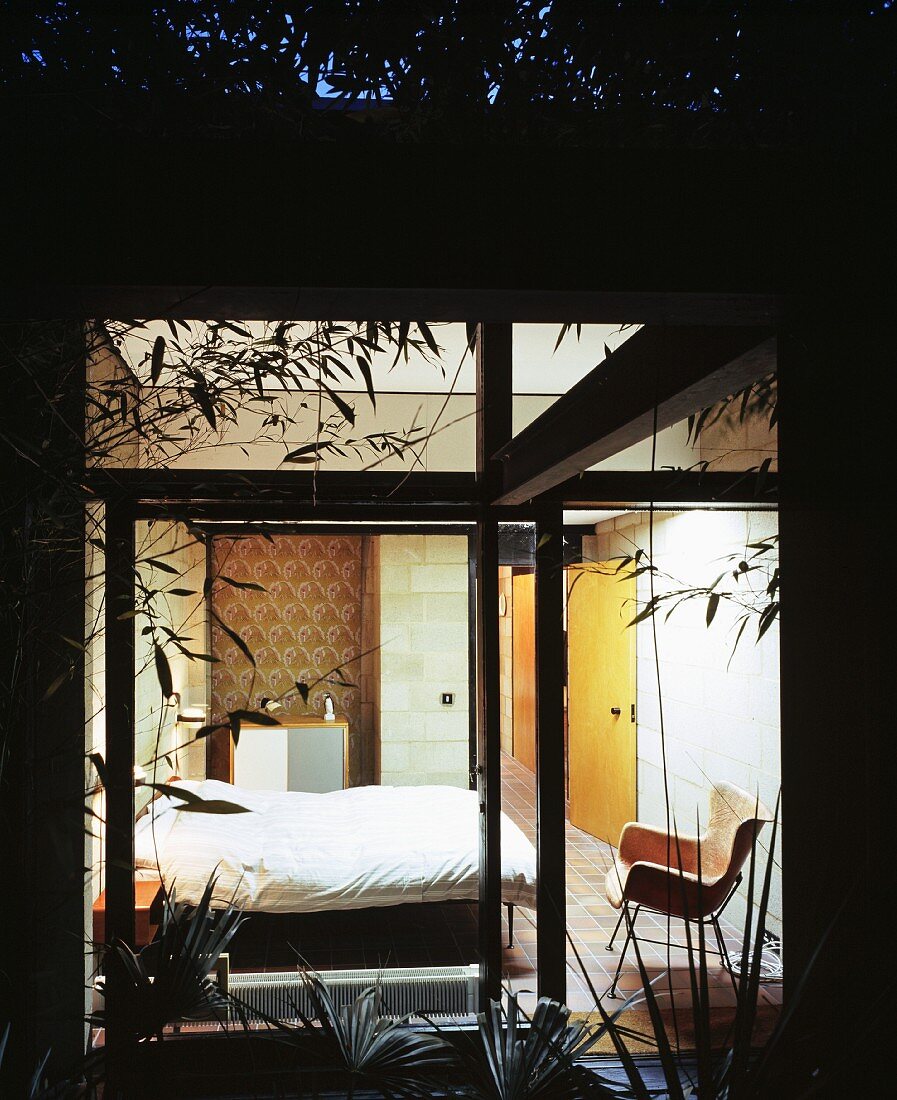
(601, 698)
(523, 625)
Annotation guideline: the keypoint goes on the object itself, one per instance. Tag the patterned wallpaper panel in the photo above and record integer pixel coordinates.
(305, 623)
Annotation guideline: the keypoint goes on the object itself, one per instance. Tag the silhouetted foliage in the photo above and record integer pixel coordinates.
(632, 72)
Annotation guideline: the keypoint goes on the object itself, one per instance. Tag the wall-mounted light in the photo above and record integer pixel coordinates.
(192, 716)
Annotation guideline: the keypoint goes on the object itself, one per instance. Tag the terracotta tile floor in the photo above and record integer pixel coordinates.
(591, 919)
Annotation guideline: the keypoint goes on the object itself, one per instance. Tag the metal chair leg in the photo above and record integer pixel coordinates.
(723, 950)
(613, 936)
(630, 935)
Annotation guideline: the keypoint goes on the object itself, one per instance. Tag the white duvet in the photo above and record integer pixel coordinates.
(365, 846)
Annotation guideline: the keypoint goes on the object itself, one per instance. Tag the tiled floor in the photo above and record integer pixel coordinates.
(591, 919)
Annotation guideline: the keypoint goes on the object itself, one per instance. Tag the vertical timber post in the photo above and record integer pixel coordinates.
(551, 917)
(120, 703)
(836, 664)
(494, 391)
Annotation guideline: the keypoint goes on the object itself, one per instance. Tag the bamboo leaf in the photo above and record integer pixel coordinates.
(100, 767)
(770, 613)
(428, 337)
(205, 403)
(365, 368)
(762, 473)
(163, 565)
(347, 411)
(251, 585)
(561, 334)
(712, 605)
(260, 717)
(56, 684)
(744, 623)
(207, 731)
(156, 363)
(175, 790)
(194, 803)
(646, 612)
(235, 638)
(213, 806)
(305, 453)
(163, 671)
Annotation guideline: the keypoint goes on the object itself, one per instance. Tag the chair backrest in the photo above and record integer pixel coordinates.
(736, 818)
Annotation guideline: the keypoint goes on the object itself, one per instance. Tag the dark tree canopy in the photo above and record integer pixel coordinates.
(627, 72)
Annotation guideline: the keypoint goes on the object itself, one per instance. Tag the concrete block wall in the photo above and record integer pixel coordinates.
(424, 652)
(720, 708)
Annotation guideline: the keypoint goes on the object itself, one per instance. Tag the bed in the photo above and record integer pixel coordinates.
(349, 849)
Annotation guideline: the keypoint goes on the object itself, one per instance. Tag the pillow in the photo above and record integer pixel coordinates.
(151, 831)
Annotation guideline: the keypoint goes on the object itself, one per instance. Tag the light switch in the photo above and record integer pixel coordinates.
(447, 698)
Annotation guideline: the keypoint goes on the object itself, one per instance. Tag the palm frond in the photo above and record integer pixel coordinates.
(169, 979)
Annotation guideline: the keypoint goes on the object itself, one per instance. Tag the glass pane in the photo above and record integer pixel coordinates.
(661, 710)
(734, 434)
(339, 395)
(342, 660)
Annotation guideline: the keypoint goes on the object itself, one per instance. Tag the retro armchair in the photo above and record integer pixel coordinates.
(656, 871)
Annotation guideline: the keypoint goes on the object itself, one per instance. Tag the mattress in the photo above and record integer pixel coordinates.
(351, 849)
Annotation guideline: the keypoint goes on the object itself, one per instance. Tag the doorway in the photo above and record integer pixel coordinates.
(601, 718)
(523, 589)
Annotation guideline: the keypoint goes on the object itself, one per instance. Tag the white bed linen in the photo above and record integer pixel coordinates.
(365, 846)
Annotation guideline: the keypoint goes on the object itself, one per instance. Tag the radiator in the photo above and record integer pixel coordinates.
(406, 991)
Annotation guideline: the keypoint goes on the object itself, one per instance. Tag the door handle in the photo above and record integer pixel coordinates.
(615, 711)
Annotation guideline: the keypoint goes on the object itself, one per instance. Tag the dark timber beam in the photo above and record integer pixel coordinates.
(260, 488)
(493, 379)
(551, 916)
(311, 303)
(633, 489)
(675, 371)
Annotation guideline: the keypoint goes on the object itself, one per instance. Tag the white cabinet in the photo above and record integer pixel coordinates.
(307, 755)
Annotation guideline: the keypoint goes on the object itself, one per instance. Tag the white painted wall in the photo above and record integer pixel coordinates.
(720, 710)
(424, 638)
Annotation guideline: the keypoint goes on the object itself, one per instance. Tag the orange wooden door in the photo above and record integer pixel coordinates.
(601, 698)
(523, 611)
